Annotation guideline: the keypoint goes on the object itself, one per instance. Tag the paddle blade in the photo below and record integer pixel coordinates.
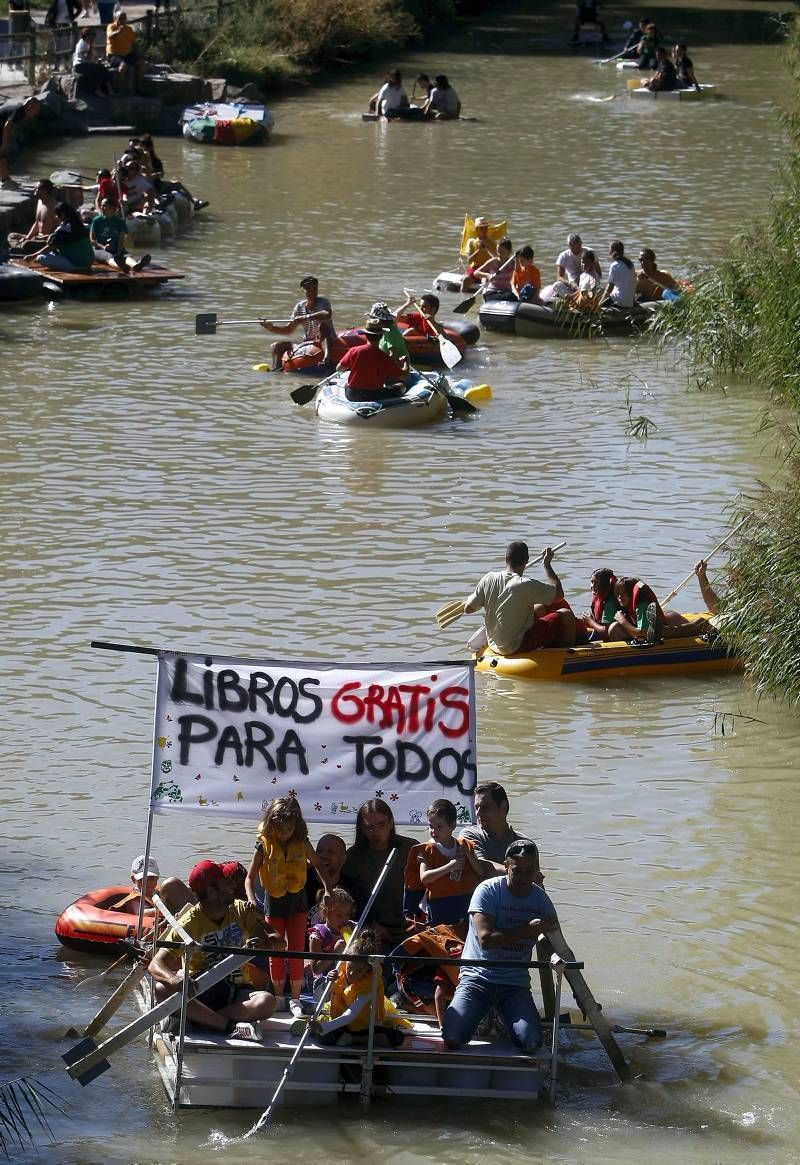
(304, 394)
(205, 324)
(465, 305)
(448, 613)
(478, 393)
(460, 404)
(449, 352)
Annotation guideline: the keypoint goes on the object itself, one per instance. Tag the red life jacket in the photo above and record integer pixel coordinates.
(598, 603)
(641, 593)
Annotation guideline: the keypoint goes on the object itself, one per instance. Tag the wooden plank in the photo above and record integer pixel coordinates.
(112, 1006)
(80, 1066)
(589, 1006)
(101, 275)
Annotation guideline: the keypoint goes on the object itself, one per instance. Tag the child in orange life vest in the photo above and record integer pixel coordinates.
(280, 862)
(351, 1002)
(330, 933)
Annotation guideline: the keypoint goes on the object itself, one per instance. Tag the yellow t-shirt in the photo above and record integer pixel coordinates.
(235, 929)
(120, 39)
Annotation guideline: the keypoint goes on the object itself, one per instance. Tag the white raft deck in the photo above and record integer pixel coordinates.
(219, 1071)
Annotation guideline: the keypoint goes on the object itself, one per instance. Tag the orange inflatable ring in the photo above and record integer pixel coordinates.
(98, 921)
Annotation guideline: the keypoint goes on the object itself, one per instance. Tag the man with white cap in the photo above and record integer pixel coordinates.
(174, 893)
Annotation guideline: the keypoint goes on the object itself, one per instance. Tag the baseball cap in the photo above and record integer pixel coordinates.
(307, 280)
(203, 873)
(137, 868)
(231, 869)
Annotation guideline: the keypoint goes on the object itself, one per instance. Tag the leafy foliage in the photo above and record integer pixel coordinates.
(24, 1106)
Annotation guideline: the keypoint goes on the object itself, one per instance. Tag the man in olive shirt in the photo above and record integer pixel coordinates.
(513, 623)
(492, 835)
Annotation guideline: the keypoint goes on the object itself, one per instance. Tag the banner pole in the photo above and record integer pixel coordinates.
(473, 723)
(149, 835)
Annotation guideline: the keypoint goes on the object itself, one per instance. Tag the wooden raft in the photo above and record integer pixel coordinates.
(101, 277)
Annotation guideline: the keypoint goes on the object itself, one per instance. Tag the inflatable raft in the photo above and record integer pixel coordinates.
(600, 661)
(539, 321)
(99, 920)
(420, 404)
(639, 94)
(17, 284)
(227, 124)
(451, 281)
(307, 356)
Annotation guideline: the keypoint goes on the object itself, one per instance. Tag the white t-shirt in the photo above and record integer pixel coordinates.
(624, 279)
(391, 97)
(508, 601)
(571, 263)
(587, 282)
(83, 52)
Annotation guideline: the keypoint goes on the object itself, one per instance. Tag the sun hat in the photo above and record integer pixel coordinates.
(480, 221)
(137, 868)
(373, 328)
(202, 874)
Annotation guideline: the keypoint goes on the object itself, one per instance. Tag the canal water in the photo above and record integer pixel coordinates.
(158, 491)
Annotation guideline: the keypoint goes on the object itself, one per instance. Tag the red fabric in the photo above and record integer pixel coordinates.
(293, 929)
(641, 593)
(415, 321)
(107, 188)
(543, 633)
(369, 367)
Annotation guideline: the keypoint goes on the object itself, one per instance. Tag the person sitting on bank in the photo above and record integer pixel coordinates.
(68, 248)
(506, 917)
(620, 290)
(107, 234)
(514, 606)
(665, 77)
(44, 223)
(492, 835)
(498, 273)
(220, 920)
(12, 115)
(479, 249)
(443, 102)
(314, 314)
(684, 68)
(122, 52)
(650, 282)
(641, 617)
(587, 13)
(94, 76)
(391, 100)
(370, 369)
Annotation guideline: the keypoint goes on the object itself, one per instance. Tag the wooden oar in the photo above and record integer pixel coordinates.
(449, 352)
(206, 323)
(88, 1060)
(668, 598)
(466, 304)
(113, 1004)
(454, 609)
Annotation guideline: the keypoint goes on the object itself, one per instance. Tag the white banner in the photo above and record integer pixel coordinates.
(231, 734)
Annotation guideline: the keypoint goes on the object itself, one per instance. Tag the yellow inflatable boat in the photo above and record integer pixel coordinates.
(599, 661)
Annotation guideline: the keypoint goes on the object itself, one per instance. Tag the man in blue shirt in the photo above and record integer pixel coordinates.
(506, 916)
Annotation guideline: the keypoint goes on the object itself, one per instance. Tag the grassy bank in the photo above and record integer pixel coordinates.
(274, 41)
(744, 318)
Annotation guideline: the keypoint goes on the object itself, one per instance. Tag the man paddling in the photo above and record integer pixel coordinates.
(515, 607)
(314, 314)
(216, 920)
(506, 917)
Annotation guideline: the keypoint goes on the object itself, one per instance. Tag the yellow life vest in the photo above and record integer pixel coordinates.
(345, 995)
(283, 871)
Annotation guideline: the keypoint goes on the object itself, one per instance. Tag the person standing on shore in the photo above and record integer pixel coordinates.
(11, 117)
